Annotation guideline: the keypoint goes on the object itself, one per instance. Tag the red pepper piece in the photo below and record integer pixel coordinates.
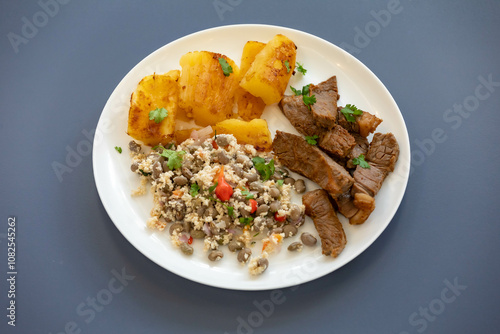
(253, 204)
(279, 218)
(223, 189)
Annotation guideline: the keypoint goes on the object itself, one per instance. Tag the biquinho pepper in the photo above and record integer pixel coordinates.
(279, 218)
(223, 190)
(253, 205)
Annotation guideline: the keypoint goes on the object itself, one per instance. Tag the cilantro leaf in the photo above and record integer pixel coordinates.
(361, 162)
(287, 65)
(226, 68)
(230, 211)
(265, 170)
(118, 149)
(174, 158)
(246, 220)
(158, 115)
(312, 140)
(301, 68)
(195, 189)
(349, 110)
(305, 89)
(309, 100)
(296, 91)
(247, 194)
(144, 173)
(212, 188)
(280, 182)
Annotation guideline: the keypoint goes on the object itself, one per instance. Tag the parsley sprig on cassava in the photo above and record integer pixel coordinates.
(226, 68)
(158, 115)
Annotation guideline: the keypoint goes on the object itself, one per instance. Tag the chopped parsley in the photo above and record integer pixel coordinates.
(301, 68)
(118, 149)
(296, 91)
(308, 100)
(312, 140)
(246, 220)
(226, 68)
(361, 162)
(195, 189)
(349, 110)
(265, 170)
(247, 194)
(287, 65)
(212, 188)
(158, 115)
(174, 158)
(230, 209)
(280, 182)
(144, 173)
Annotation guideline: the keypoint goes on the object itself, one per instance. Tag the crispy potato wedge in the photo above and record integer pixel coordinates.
(152, 92)
(255, 132)
(249, 106)
(268, 75)
(206, 93)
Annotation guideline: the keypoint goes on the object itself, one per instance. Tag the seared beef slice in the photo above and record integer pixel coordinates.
(299, 115)
(324, 110)
(308, 160)
(384, 151)
(337, 141)
(330, 230)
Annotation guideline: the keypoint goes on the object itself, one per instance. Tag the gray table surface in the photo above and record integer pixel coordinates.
(433, 270)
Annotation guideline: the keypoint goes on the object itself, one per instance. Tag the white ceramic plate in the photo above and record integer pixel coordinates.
(114, 180)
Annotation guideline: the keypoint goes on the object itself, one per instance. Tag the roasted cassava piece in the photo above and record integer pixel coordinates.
(154, 92)
(271, 70)
(206, 92)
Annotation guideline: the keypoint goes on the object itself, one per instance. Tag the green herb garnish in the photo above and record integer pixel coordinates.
(144, 173)
(118, 149)
(300, 68)
(174, 157)
(158, 115)
(309, 100)
(361, 162)
(226, 68)
(312, 140)
(297, 92)
(280, 182)
(212, 188)
(247, 194)
(246, 220)
(265, 170)
(287, 65)
(349, 110)
(195, 189)
(230, 210)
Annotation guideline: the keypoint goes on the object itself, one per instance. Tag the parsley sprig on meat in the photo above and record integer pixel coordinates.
(349, 110)
(361, 162)
(308, 100)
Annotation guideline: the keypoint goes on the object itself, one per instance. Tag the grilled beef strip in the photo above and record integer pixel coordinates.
(324, 110)
(308, 160)
(336, 141)
(318, 207)
(361, 147)
(382, 157)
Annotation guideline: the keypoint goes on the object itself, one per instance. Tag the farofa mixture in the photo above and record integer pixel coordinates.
(223, 193)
